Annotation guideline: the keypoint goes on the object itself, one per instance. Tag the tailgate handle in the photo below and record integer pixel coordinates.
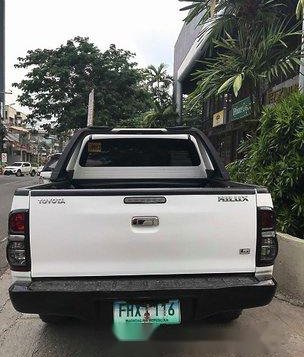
(145, 221)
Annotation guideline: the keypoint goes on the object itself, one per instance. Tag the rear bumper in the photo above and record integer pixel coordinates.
(200, 296)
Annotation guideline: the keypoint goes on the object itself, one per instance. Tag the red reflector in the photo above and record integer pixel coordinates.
(17, 223)
(267, 219)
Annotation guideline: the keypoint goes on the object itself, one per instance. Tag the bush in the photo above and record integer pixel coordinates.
(275, 159)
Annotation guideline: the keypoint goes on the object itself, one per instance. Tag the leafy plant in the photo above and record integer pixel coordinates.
(275, 159)
(254, 63)
(160, 119)
(192, 114)
(217, 17)
(159, 84)
(300, 8)
(252, 43)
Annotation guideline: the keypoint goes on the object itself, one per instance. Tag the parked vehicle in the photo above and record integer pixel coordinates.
(48, 168)
(40, 168)
(141, 226)
(20, 169)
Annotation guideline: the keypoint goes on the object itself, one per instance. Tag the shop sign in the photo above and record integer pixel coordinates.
(241, 109)
(4, 158)
(218, 118)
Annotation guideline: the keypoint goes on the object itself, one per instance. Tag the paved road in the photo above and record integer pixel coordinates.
(276, 330)
(8, 185)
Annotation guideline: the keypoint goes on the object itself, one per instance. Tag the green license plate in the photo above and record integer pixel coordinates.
(163, 313)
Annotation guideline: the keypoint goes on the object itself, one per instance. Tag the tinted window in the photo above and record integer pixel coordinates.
(17, 164)
(139, 152)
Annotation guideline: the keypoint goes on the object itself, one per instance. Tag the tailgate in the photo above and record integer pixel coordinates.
(81, 236)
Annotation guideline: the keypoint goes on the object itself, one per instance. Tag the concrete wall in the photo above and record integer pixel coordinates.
(289, 267)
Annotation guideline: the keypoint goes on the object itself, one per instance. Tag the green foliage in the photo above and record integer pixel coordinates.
(58, 83)
(224, 16)
(253, 63)
(299, 10)
(160, 119)
(192, 114)
(275, 159)
(252, 43)
(159, 84)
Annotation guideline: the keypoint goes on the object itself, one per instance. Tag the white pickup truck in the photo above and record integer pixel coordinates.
(20, 169)
(141, 226)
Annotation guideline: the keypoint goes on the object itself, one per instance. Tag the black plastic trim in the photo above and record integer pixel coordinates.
(138, 200)
(22, 192)
(233, 184)
(220, 169)
(60, 173)
(25, 191)
(225, 187)
(206, 294)
(144, 191)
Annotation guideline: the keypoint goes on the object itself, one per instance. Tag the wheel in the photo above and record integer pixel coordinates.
(18, 173)
(225, 317)
(33, 173)
(53, 319)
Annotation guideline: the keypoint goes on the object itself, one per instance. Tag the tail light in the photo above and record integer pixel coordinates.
(17, 222)
(18, 249)
(267, 243)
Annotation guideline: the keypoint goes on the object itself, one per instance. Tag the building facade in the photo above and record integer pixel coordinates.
(17, 139)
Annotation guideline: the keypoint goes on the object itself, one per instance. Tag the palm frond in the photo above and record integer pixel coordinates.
(256, 62)
(299, 9)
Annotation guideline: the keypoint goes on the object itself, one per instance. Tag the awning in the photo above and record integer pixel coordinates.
(19, 128)
(12, 137)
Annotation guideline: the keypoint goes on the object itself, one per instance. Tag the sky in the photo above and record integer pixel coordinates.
(148, 28)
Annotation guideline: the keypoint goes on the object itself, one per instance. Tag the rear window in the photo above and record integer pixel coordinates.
(139, 152)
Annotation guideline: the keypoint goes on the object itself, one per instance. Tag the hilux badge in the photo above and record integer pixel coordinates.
(228, 199)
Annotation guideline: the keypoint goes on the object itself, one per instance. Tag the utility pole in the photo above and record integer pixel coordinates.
(2, 73)
(91, 108)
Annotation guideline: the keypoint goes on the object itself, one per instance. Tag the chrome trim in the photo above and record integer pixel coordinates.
(145, 222)
(16, 238)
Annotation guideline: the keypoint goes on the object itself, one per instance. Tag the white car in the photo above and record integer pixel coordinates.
(20, 169)
(141, 226)
(40, 168)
